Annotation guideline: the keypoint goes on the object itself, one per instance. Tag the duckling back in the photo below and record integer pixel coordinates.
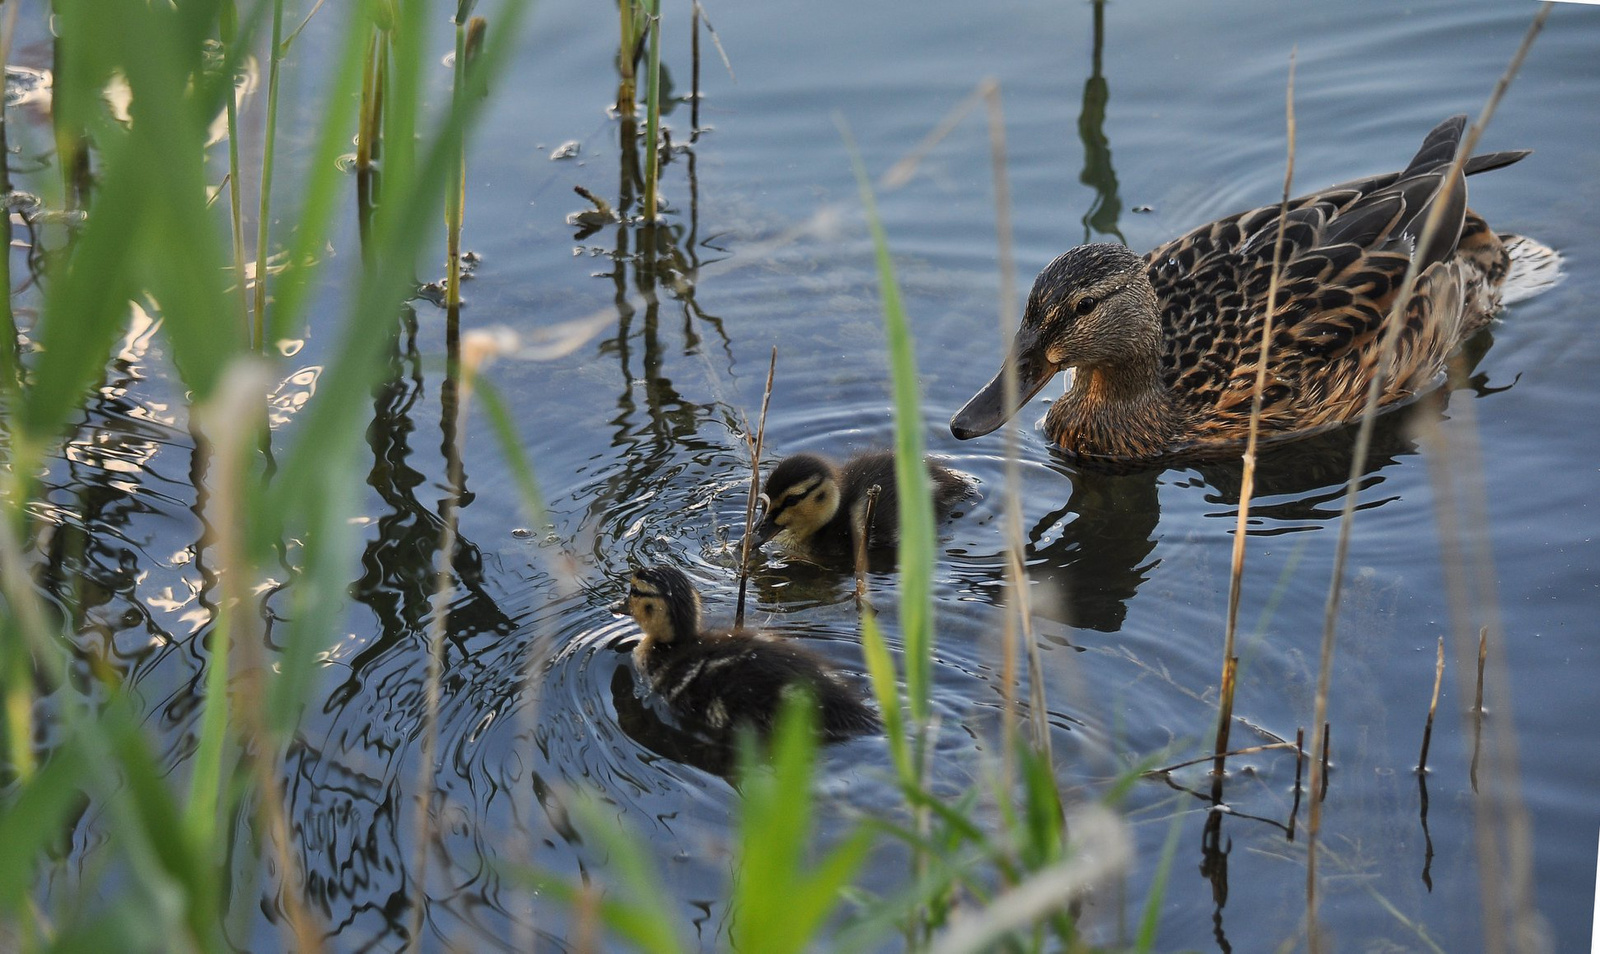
(833, 540)
(865, 471)
(723, 680)
(715, 680)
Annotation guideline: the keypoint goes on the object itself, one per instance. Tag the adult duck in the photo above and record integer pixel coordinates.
(1165, 347)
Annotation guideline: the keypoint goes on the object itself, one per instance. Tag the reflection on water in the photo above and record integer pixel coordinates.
(648, 464)
(1098, 174)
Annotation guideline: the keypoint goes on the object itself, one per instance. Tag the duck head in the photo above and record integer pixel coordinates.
(801, 495)
(664, 604)
(1091, 307)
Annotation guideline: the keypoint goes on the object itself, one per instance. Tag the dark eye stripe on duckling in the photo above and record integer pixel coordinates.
(810, 488)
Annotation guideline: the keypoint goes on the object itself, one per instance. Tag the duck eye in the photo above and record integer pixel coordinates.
(1086, 304)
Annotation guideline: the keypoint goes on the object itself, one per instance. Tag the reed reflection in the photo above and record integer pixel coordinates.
(1098, 173)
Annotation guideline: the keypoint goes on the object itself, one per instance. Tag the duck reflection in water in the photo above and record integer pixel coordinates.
(716, 680)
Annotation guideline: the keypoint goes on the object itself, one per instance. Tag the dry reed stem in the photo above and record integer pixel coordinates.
(1477, 706)
(1299, 765)
(1433, 705)
(628, 84)
(1327, 747)
(1247, 482)
(694, 76)
(861, 544)
(755, 487)
(1487, 861)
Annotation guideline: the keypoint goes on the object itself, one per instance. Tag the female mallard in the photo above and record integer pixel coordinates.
(1166, 346)
(716, 680)
(814, 508)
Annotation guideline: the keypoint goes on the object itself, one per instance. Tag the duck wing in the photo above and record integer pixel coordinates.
(1345, 251)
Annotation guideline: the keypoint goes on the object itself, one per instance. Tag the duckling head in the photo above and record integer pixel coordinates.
(1091, 307)
(664, 604)
(801, 495)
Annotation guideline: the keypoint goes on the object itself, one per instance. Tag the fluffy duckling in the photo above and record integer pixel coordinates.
(1166, 345)
(812, 506)
(716, 680)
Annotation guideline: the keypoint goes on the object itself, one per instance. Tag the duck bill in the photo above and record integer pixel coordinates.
(988, 408)
(764, 531)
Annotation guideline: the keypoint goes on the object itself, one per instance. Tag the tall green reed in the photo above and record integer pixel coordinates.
(150, 235)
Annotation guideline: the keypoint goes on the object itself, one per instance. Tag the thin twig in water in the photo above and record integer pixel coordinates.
(1433, 705)
(755, 488)
(1247, 484)
(1477, 705)
(1327, 744)
(1299, 766)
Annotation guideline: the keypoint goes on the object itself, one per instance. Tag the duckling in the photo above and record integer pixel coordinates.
(716, 680)
(812, 507)
(1166, 346)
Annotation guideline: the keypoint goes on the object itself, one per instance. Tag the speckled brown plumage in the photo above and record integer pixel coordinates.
(1166, 347)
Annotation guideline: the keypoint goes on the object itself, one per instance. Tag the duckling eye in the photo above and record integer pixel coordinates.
(1086, 304)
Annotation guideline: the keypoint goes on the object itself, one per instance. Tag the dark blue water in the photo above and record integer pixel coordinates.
(1174, 117)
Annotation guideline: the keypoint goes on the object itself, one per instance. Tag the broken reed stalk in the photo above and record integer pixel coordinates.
(1327, 746)
(861, 543)
(1230, 660)
(652, 159)
(628, 87)
(1477, 706)
(1433, 705)
(469, 40)
(694, 84)
(369, 133)
(1299, 766)
(755, 486)
(1487, 861)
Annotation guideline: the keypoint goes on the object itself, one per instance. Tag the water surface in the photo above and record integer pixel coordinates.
(1124, 123)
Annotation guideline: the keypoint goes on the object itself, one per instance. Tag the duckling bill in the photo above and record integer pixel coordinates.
(816, 508)
(715, 680)
(1166, 346)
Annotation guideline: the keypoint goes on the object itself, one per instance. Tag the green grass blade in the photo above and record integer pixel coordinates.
(911, 475)
(511, 449)
(886, 689)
